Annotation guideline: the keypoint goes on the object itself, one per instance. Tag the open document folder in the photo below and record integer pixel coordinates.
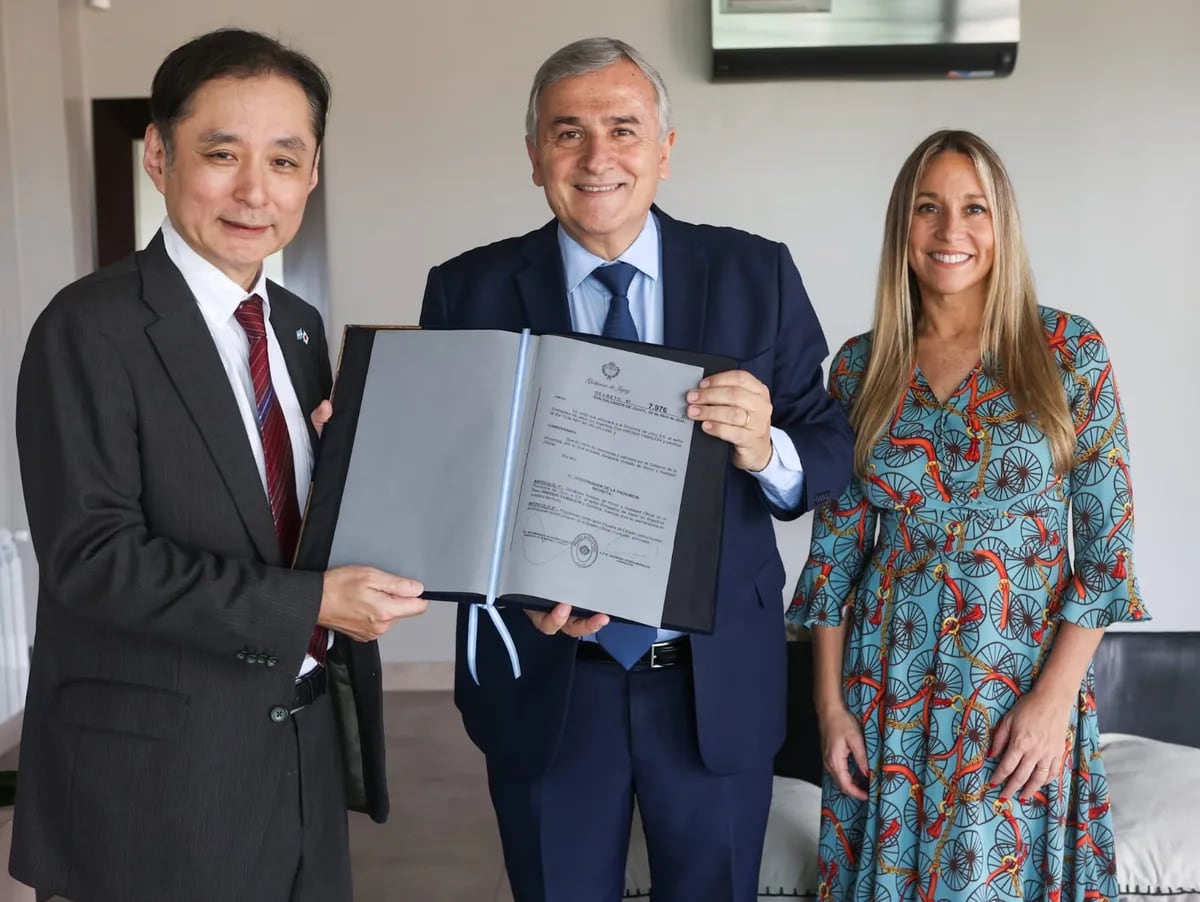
(527, 469)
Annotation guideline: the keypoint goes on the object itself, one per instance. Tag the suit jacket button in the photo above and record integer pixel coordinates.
(279, 714)
(271, 662)
(251, 659)
(241, 655)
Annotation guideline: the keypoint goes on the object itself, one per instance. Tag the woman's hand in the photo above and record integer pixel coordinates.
(841, 740)
(1030, 742)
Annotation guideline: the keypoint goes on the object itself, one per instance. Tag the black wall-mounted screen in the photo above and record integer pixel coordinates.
(864, 38)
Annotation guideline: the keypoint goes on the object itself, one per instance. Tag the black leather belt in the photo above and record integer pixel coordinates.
(661, 654)
(309, 688)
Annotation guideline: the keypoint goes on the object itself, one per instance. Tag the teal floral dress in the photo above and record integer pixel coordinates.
(949, 562)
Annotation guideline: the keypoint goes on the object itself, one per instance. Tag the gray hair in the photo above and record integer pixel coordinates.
(587, 56)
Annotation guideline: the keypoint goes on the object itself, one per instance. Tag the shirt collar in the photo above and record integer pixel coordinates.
(216, 293)
(579, 262)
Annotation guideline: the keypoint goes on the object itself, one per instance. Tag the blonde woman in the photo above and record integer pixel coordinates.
(952, 640)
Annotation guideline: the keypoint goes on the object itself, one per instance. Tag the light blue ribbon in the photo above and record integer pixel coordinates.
(510, 463)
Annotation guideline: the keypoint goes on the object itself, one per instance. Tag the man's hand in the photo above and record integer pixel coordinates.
(560, 620)
(736, 408)
(321, 415)
(363, 602)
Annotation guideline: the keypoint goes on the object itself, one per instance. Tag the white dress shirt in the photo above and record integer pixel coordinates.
(218, 297)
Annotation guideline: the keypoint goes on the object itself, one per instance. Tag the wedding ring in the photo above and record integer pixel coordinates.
(746, 425)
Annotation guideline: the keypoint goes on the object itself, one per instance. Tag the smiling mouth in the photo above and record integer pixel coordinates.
(950, 258)
(598, 189)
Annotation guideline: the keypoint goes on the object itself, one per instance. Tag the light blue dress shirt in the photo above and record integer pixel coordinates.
(782, 480)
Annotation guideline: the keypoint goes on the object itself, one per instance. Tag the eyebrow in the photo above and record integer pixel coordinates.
(935, 195)
(291, 142)
(610, 120)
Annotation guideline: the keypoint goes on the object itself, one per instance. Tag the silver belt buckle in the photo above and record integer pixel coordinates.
(654, 665)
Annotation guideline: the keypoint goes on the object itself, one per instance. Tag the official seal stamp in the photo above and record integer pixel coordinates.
(584, 550)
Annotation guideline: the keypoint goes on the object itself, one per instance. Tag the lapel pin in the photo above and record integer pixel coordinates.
(301, 335)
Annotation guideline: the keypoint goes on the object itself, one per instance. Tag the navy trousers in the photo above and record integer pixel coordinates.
(566, 834)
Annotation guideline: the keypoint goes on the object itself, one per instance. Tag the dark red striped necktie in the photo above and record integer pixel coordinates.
(277, 446)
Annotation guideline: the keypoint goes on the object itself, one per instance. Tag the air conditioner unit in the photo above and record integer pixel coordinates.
(864, 38)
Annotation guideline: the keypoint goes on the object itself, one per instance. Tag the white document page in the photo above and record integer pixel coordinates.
(598, 504)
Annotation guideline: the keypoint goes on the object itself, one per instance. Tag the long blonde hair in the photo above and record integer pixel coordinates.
(1013, 342)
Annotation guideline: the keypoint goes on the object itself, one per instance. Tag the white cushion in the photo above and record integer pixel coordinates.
(1154, 788)
(789, 862)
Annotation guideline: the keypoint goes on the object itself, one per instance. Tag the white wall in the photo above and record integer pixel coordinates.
(10, 308)
(1099, 126)
(38, 234)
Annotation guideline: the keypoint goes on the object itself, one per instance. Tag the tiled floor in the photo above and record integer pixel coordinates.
(440, 842)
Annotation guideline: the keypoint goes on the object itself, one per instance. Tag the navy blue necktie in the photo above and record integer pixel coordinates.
(616, 278)
(624, 641)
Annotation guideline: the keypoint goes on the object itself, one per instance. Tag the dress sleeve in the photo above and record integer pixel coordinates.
(843, 532)
(1104, 589)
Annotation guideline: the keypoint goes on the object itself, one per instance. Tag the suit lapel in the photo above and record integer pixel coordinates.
(290, 334)
(194, 367)
(685, 286)
(542, 283)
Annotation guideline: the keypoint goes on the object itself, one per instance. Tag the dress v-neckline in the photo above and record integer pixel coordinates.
(919, 375)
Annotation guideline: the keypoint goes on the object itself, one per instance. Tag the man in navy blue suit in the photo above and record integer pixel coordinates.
(606, 712)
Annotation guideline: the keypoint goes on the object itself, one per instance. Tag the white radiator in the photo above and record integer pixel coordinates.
(14, 632)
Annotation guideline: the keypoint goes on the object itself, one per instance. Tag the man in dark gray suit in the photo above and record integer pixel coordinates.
(181, 738)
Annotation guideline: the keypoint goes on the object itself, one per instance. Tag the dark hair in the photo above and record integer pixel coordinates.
(230, 53)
